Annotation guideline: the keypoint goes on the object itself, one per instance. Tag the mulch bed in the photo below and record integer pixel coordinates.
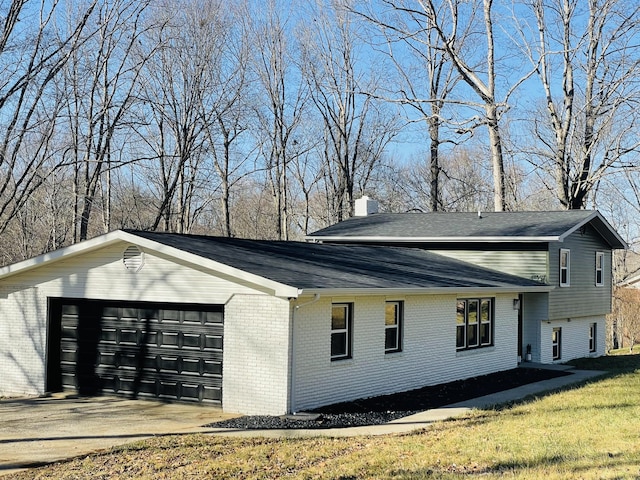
(385, 408)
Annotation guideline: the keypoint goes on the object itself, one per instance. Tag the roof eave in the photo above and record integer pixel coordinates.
(62, 253)
(377, 239)
(621, 243)
(276, 288)
(423, 290)
(265, 284)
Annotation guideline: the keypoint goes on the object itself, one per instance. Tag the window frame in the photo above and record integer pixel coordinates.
(473, 325)
(397, 326)
(566, 268)
(593, 336)
(556, 343)
(599, 269)
(347, 331)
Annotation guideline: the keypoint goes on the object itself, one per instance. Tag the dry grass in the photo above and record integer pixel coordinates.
(588, 432)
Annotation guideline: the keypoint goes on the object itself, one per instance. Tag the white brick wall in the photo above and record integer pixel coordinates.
(256, 355)
(575, 338)
(429, 354)
(22, 343)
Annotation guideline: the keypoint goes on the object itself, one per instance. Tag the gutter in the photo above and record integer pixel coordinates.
(379, 239)
(426, 290)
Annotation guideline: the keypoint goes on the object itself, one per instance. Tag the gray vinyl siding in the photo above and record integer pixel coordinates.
(582, 298)
(526, 264)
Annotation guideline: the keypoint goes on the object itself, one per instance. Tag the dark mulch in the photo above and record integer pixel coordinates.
(383, 409)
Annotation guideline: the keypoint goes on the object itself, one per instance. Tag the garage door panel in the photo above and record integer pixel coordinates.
(212, 368)
(140, 349)
(109, 335)
(192, 317)
(213, 342)
(212, 394)
(168, 339)
(70, 309)
(192, 340)
(158, 360)
(167, 388)
(110, 312)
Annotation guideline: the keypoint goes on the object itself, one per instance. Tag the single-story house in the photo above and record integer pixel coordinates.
(256, 327)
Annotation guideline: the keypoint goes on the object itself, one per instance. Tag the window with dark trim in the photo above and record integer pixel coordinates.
(556, 343)
(599, 269)
(393, 313)
(565, 267)
(593, 346)
(474, 323)
(341, 330)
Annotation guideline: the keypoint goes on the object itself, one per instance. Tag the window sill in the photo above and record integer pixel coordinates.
(342, 361)
(475, 351)
(391, 352)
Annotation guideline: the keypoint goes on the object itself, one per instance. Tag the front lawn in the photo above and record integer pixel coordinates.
(588, 432)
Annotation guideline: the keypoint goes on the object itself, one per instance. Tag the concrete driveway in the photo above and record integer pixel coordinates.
(37, 431)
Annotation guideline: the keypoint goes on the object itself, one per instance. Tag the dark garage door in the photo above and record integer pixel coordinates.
(165, 351)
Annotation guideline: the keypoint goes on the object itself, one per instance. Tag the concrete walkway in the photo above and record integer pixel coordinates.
(38, 431)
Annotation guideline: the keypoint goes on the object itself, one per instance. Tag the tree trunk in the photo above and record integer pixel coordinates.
(496, 158)
(434, 162)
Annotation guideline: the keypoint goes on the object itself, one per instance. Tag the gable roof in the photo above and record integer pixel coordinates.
(468, 227)
(289, 269)
(310, 266)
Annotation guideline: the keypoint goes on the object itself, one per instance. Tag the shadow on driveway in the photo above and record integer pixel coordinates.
(37, 431)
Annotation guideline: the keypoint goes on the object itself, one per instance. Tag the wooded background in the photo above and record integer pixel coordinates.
(266, 119)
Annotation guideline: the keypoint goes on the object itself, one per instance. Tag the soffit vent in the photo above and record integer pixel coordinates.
(132, 258)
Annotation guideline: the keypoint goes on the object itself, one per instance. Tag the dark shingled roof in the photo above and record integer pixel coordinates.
(440, 226)
(325, 266)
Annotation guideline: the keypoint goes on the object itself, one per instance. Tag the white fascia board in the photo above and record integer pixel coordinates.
(596, 214)
(62, 253)
(577, 226)
(278, 289)
(423, 291)
(376, 239)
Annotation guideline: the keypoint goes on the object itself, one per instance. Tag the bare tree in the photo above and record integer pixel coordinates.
(43, 222)
(32, 54)
(626, 314)
(100, 81)
(226, 114)
(307, 175)
(425, 75)
(588, 63)
(178, 87)
(343, 89)
(282, 99)
(480, 76)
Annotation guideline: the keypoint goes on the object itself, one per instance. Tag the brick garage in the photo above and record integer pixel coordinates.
(284, 348)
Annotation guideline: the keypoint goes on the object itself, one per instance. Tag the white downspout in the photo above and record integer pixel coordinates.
(292, 370)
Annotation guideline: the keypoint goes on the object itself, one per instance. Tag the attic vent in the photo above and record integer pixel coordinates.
(132, 258)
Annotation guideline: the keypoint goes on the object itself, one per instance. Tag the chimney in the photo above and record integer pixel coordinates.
(365, 206)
